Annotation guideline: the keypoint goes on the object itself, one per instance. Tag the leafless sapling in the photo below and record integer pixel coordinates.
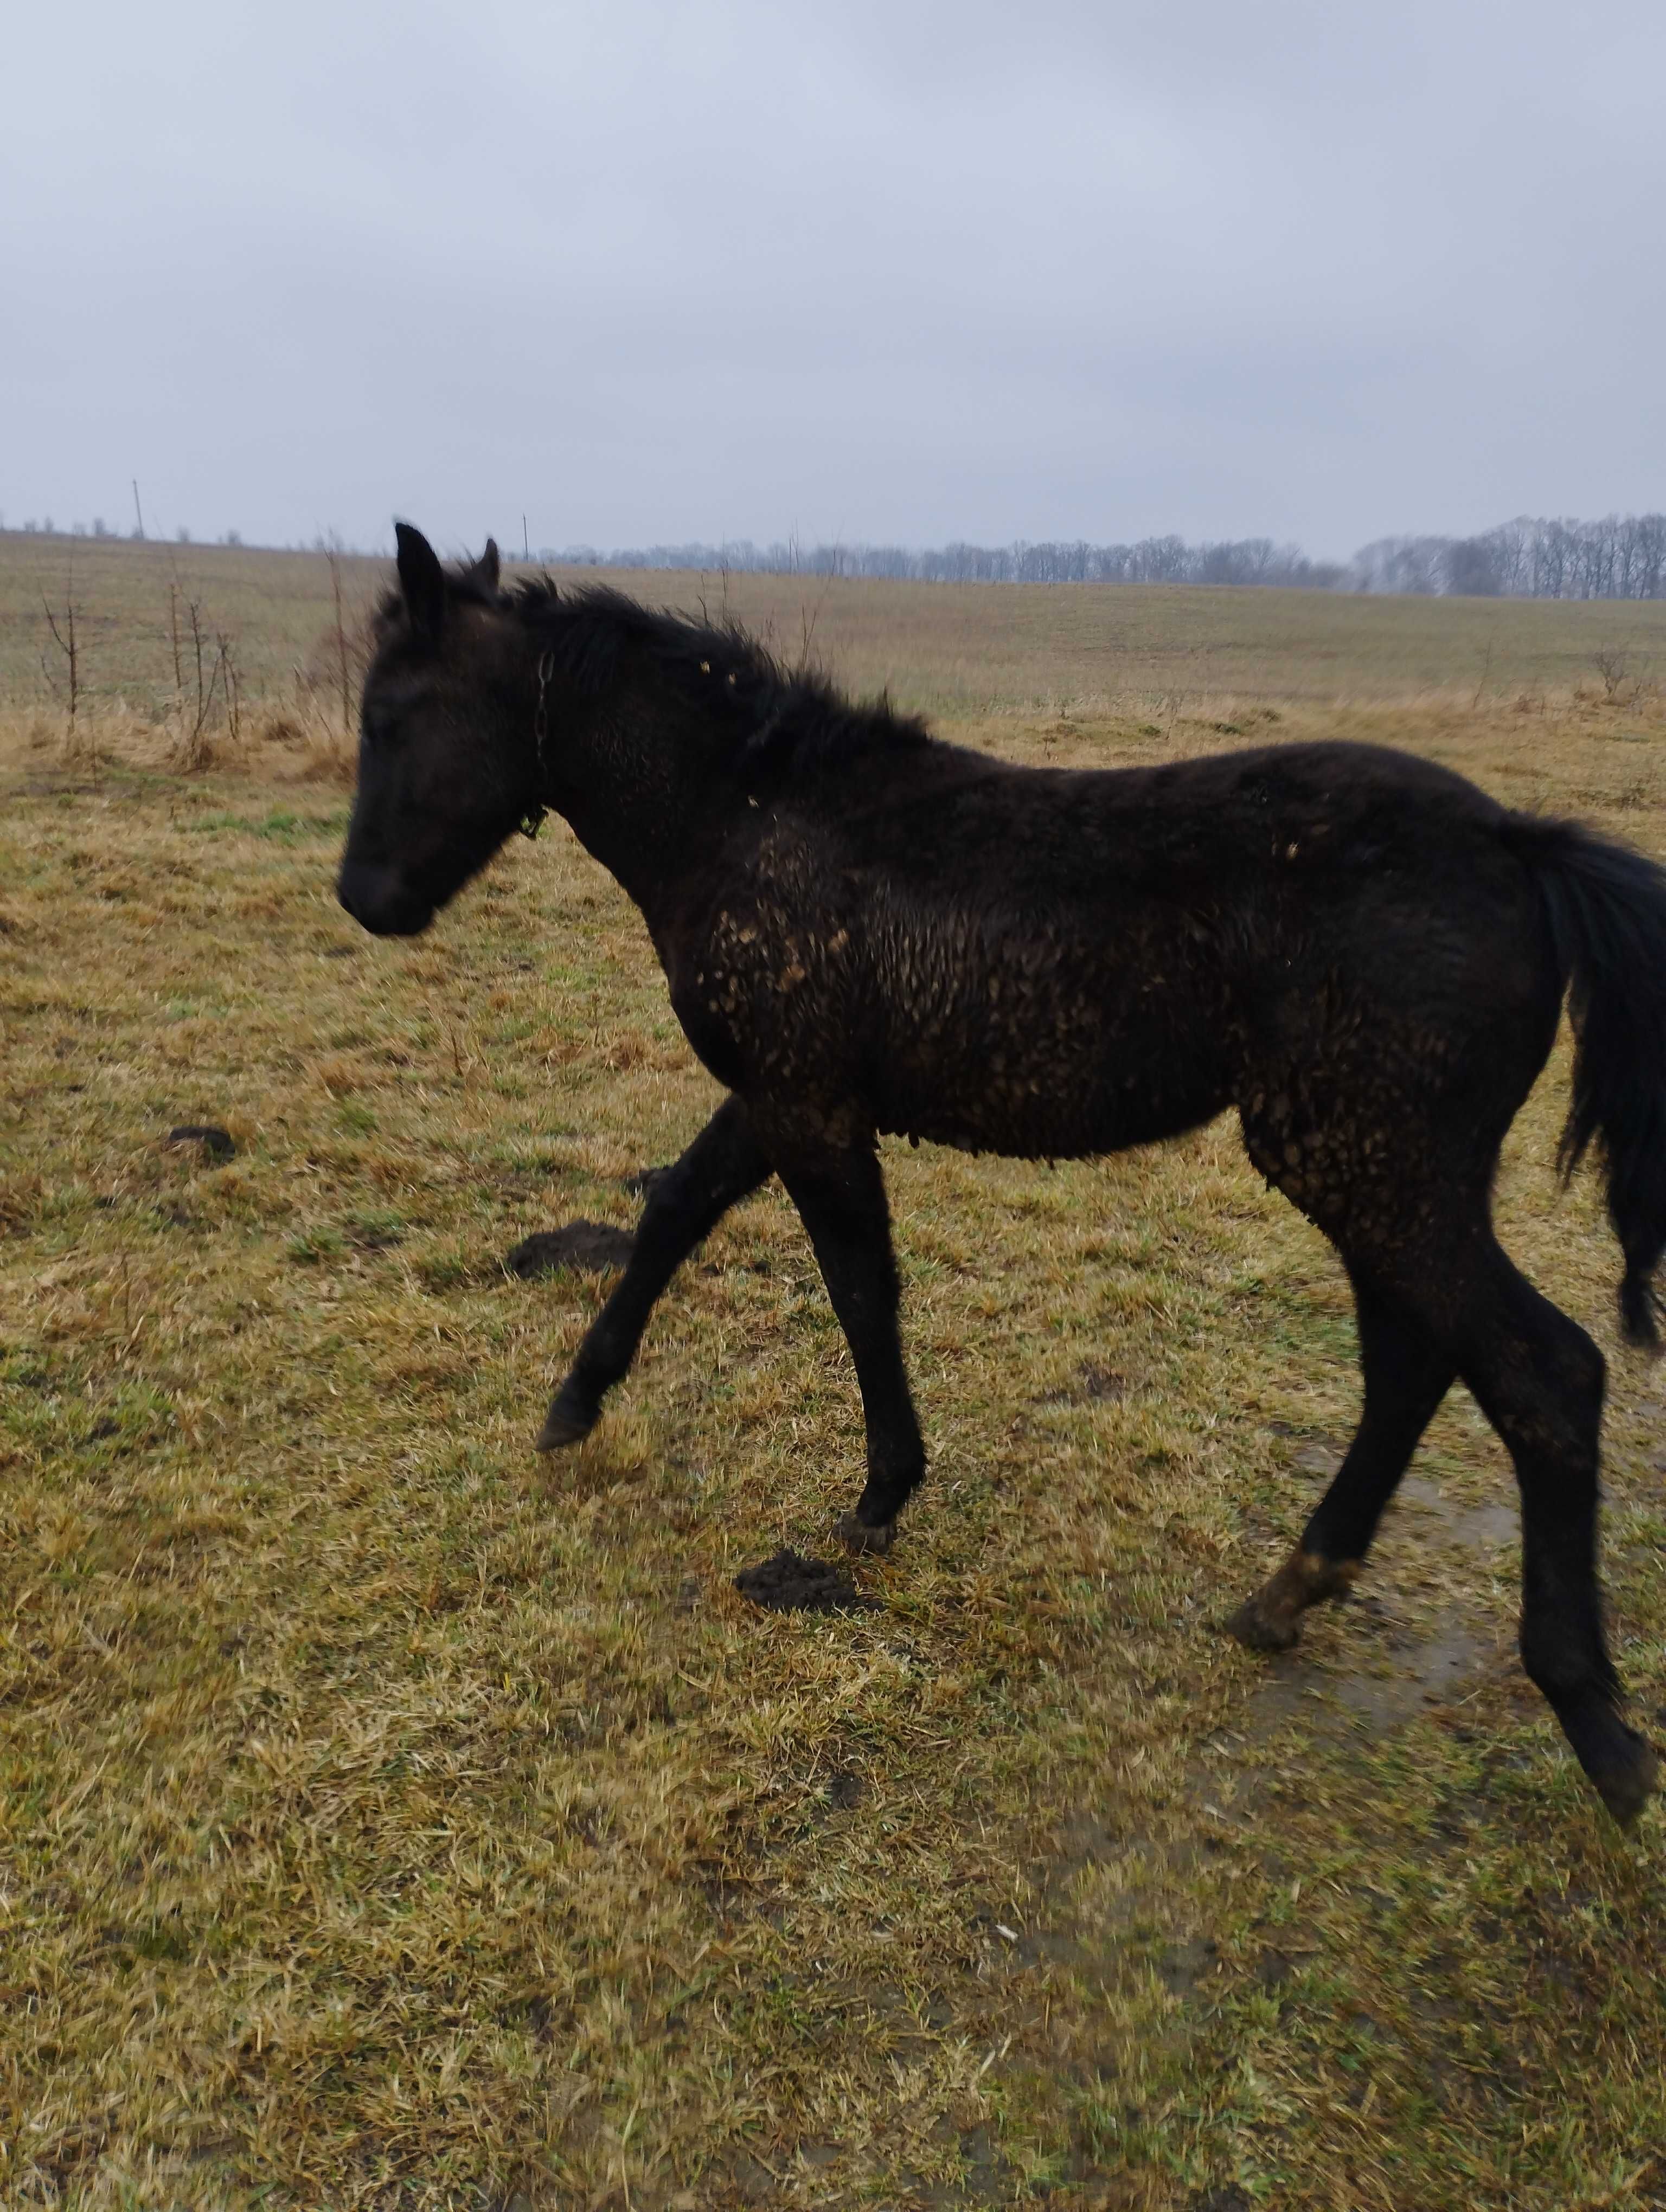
(65, 685)
(342, 666)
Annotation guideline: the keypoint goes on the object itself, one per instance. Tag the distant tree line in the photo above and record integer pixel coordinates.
(47, 528)
(1620, 557)
(1152, 561)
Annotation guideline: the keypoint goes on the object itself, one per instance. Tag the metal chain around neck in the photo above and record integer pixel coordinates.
(532, 820)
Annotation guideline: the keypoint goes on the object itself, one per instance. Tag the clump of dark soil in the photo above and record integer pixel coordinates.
(1098, 1382)
(217, 1144)
(789, 1583)
(1092, 1381)
(587, 1248)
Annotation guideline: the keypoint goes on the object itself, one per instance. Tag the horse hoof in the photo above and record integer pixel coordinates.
(564, 1423)
(856, 1535)
(1626, 1788)
(1261, 1631)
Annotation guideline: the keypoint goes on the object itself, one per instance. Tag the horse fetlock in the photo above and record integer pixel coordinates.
(893, 1476)
(1271, 1619)
(1564, 1657)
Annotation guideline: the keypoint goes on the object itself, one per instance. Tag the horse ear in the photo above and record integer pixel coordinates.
(421, 580)
(487, 567)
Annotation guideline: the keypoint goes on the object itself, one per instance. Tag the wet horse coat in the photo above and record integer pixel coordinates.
(866, 930)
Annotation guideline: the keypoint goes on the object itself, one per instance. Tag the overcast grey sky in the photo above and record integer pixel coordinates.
(875, 271)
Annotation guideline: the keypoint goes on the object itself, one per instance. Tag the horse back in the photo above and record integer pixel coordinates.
(1055, 962)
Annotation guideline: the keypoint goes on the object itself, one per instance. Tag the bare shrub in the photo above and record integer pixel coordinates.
(328, 757)
(208, 686)
(327, 688)
(1613, 665)
(1627, 679)
(276, 726)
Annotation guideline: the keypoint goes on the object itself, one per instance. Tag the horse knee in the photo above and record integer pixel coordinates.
(1585, 1369)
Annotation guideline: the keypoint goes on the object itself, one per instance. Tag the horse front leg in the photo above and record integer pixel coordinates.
(841, 1202)
(724, 1165)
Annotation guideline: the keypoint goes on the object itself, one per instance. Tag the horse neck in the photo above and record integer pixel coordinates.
(637, 785)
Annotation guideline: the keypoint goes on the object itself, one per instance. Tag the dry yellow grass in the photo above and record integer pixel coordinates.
(968, 650)
(392, 1819)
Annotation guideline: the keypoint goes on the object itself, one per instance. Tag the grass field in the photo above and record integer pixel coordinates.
(392, 1819)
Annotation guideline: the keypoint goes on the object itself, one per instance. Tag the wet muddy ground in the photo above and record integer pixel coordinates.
(1410, 1641)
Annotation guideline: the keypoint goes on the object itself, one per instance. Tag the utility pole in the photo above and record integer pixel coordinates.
(525, 550)
(137, 509)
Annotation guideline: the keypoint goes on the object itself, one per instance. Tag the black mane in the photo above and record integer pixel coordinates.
(760, 713)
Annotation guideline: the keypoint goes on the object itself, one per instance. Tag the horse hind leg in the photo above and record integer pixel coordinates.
(1538, 1379)
(1407, 1374)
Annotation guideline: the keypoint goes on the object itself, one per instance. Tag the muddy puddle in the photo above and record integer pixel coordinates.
(1396, 1651)
(1419, 1634)
(1121, 1911)
(1404, 1640)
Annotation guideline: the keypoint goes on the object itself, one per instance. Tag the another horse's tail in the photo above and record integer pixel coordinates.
(1606, 910)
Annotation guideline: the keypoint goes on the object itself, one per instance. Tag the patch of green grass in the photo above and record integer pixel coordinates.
(313, 1246)
(279, 825)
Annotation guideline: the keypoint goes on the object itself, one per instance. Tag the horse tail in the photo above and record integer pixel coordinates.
(1606, 908)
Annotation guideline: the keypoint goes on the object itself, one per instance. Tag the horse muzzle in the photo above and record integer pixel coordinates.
(378, 899)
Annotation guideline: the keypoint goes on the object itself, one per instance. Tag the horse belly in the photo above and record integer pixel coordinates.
(1054, 1089)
